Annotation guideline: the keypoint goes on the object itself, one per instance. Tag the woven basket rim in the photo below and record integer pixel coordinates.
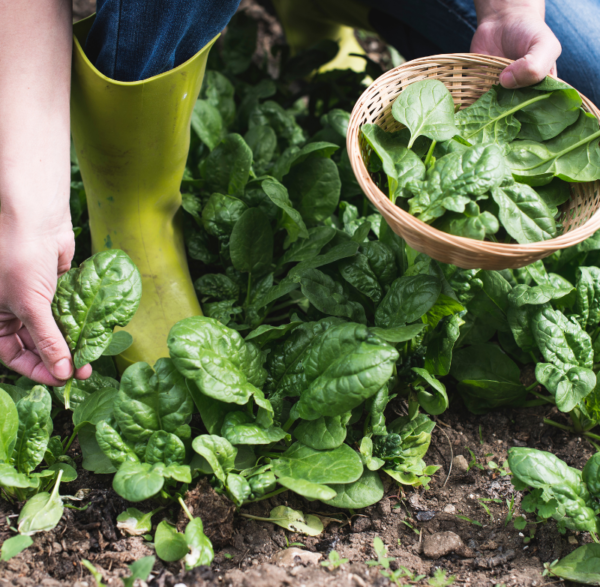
(400, 216)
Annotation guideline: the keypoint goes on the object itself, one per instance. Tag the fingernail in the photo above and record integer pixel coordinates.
(62, 369)
(507, 79)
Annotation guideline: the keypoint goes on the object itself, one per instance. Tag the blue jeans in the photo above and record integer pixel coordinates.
(136, 39)
(132, 40)
(418, 28)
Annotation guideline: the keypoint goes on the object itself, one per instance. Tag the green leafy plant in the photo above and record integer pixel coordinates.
(557, 490)
(381, 551)
(334, 561)
(87, 319)
(471, 173)
(440, 579)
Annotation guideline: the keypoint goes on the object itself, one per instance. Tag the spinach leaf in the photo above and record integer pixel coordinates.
(309, 247)
(574, 155)
(454, 179)
(542, 470)
(426, 108)
(344, 367)
(400, 164)
(227, 169)
(546, 115)
(362, 493)
(35, 428)
(581, 566)
(262, 140)
(152, 400)
(327, 295)
(170, 545)
(341, 465)
(42, 512)
(488, 378)
(325, 433)
(164, 447)
(240, 428)
(213, 356)
(314, 187)
(103, 292)
(251, 243)
(407, 300)
(9, 425)
(523, 213)
(221, 213)
(218, 286)
(219, 453)
(487, 121)
(200, 547)
(292, 220)
(587, 304)
(358, 273)
(207, 123)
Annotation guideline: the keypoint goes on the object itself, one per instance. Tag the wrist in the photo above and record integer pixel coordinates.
(501, 10)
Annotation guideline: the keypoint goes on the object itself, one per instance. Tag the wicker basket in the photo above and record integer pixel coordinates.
(467, 76)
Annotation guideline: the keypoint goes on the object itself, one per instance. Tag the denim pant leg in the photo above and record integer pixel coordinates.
(418, 28)
(133, 40)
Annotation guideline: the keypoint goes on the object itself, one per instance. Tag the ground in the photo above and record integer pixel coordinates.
(448, 521)
(461, 524)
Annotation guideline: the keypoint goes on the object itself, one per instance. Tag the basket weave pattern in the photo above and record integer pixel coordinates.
(467, 76)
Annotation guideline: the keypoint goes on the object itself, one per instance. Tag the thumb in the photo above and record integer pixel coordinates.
(48, 340)
(539, 61)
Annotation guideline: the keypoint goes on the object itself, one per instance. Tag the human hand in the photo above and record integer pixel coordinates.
(517, 30)
(32, 257)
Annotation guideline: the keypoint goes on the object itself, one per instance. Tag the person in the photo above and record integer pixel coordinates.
(137, 71)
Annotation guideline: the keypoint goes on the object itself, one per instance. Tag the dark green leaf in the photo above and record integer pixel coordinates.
(103, 292)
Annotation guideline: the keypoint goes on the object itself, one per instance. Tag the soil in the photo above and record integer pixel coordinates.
(445, 527)
(459, 524)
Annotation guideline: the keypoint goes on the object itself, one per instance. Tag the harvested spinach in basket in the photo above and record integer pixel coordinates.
(497, 169)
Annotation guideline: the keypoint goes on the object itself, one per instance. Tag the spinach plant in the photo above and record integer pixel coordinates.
(482, 171)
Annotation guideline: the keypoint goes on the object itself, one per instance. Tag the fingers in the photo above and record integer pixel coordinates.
(48, 340)
(81, 373)
(538, 62)
(23, 361)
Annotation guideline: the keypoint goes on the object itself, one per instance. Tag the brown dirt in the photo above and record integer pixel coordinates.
(248, 553)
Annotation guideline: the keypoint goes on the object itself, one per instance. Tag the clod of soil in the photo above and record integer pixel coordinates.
(444, 543)
(291, 557)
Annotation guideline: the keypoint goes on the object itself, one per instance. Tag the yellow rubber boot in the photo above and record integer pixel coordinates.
(132, 141)
(306, 22)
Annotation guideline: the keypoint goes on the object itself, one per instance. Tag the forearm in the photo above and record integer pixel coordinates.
(35, 63)
(493, 9)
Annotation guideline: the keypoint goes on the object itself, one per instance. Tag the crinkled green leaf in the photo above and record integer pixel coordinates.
(103, 292)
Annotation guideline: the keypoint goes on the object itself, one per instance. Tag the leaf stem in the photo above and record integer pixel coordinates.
(67, 394)
(565, 151)
(557, 425)
(71, 439)
(266, 496)
(55, 490)
(509, 112)
(185, 509)
(286, 305)
(430, 152)
(546, 398)
(591, 435)
(532, 386)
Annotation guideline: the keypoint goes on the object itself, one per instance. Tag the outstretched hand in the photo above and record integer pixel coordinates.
(518, 33)
(30, 263)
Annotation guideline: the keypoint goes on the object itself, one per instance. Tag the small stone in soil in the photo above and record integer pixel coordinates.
(460, 464)
(291, 557)
(444, 543)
